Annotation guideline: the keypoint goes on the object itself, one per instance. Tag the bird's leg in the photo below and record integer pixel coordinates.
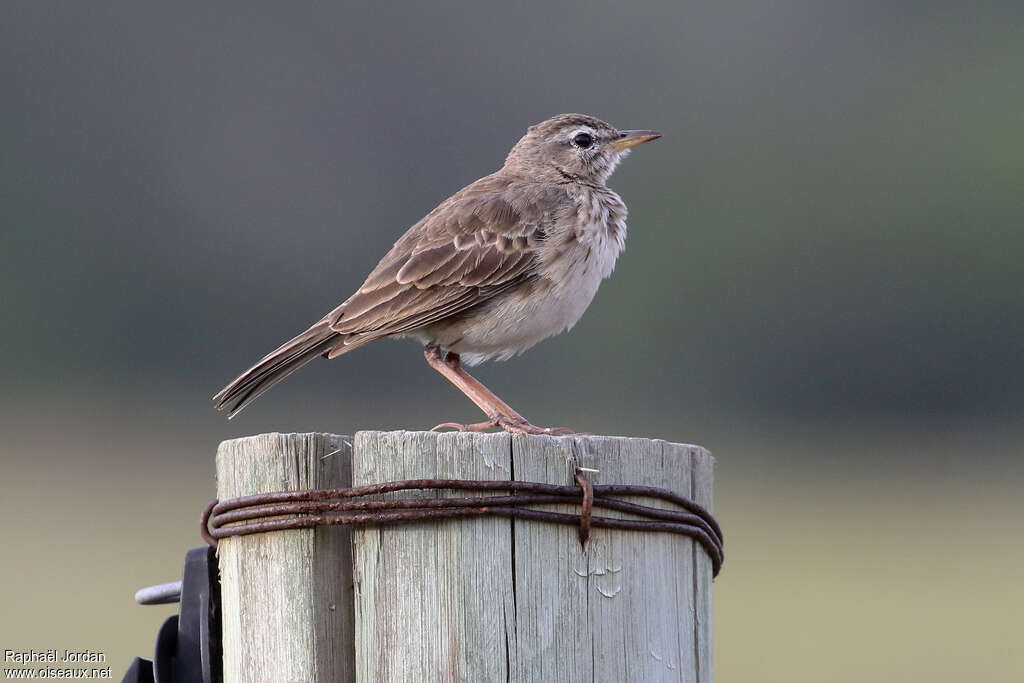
(500, 414)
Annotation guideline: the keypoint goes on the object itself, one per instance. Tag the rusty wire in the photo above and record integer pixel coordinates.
(310, 508)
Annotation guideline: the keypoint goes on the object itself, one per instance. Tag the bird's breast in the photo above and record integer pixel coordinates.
(577, 256)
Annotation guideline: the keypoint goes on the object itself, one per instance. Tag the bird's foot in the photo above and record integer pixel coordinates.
(506, 424)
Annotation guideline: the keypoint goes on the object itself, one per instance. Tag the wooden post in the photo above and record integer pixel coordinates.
(494, 599)
(479, 599)
(286, 597)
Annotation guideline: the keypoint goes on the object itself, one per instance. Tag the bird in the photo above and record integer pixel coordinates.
(509, 260)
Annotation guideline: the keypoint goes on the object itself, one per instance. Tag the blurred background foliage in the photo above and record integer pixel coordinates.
(823, 285)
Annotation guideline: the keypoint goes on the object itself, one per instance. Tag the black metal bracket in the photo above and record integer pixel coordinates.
(188, 644)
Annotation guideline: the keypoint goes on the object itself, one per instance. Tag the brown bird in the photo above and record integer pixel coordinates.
(505, 262)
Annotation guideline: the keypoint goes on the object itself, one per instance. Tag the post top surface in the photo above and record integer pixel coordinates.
(473, 437)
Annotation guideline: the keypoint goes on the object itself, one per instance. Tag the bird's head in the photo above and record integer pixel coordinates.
(574, 146)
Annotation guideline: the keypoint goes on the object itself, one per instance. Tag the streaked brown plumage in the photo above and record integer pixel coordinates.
(505, 262)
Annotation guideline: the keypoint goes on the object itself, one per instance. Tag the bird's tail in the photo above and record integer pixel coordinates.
(276, 365)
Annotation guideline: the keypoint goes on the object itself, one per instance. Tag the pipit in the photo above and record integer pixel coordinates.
(507, 261)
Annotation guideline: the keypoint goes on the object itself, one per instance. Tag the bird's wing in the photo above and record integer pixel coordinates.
(466, 251)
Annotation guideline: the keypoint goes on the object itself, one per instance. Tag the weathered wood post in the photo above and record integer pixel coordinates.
(286, 596)
(479, 599)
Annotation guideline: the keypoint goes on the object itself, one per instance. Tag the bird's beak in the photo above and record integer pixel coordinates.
(632, 138)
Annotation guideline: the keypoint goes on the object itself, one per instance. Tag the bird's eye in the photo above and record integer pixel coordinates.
(583, 140)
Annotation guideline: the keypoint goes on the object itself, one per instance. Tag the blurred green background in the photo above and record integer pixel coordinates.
(823, 285)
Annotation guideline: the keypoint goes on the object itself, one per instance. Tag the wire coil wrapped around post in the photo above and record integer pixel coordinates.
(310, 508)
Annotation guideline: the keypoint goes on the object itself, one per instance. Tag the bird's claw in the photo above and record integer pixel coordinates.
(478, 427)
(505, 424)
